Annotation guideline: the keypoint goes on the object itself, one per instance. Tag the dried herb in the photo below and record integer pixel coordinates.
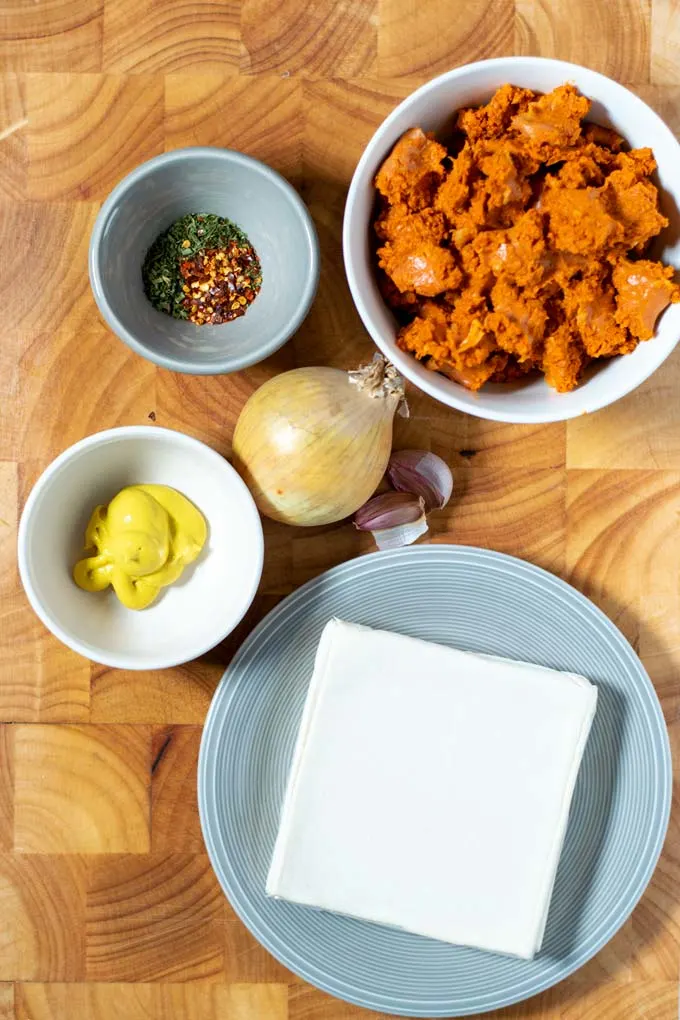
(184, 240)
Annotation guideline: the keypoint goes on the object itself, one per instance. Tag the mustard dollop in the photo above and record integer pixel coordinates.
(142, 542)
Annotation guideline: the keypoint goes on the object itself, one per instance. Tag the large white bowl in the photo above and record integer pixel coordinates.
(430, 107)
(190, 616)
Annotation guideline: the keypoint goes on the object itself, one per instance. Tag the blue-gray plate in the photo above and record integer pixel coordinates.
(484, 602)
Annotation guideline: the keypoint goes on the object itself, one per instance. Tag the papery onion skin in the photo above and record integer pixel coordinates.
(312, 447)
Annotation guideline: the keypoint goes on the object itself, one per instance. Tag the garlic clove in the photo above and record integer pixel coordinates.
(394, 518)
(389, 510)
(402, 534)
(422, 473)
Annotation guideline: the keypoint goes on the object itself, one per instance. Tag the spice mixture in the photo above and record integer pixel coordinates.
(203, 268)
(220, 283)
(519, 248)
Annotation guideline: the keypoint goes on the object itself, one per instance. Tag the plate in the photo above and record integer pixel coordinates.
(483, 602)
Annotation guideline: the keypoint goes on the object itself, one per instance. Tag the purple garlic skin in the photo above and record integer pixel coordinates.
(389, 510)
(395, 519)
(423, 474)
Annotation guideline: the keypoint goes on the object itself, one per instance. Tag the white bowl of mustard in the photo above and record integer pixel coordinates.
(177, 537)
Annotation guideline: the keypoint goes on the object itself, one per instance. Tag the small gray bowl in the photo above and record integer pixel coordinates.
(229, 184)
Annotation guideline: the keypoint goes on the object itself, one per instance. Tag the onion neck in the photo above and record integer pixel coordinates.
(380, 379)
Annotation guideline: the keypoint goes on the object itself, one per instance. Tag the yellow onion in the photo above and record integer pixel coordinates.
(312, 444)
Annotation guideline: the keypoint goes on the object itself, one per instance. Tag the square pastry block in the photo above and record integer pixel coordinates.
(430, 788)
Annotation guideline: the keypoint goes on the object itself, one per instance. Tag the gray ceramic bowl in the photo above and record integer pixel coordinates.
(230, 184)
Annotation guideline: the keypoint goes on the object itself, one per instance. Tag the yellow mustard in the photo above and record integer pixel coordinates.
(143, 539)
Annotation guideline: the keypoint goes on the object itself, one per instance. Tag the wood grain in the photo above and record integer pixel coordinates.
(665, 39)
(153, 917)
(6, 787)
(179, 695)
(48, 241)
(622, 539)
(174, 808)
(147, 37)
(246, 961)
(411, 41)
(647, 1000)
(42, 680)
(7, 1001)
(81, 789)
(13, 149)
(9, 524)
(42, 903)
(622, 436)
(665, 100)
(320, 38)
(660, 648)
(261, 117)
(609, 37)
(76, 123)
(109, 907)
(51, 35)
(169, 1001)
(529, 511)
(120, 388)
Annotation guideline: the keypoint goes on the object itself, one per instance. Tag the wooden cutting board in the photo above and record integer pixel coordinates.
(108, 906)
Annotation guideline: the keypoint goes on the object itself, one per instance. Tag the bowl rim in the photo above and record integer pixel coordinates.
(92, 652)
(177, 363)
(402, 361)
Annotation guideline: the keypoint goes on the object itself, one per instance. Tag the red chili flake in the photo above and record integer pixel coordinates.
(221, 283)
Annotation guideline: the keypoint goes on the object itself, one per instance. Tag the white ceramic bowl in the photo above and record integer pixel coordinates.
(190, 616)
(431, 107)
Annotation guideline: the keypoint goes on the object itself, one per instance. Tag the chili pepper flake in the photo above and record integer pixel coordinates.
(221, 283)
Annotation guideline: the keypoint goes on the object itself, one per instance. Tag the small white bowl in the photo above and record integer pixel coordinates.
(189, 617)
(431, 107)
